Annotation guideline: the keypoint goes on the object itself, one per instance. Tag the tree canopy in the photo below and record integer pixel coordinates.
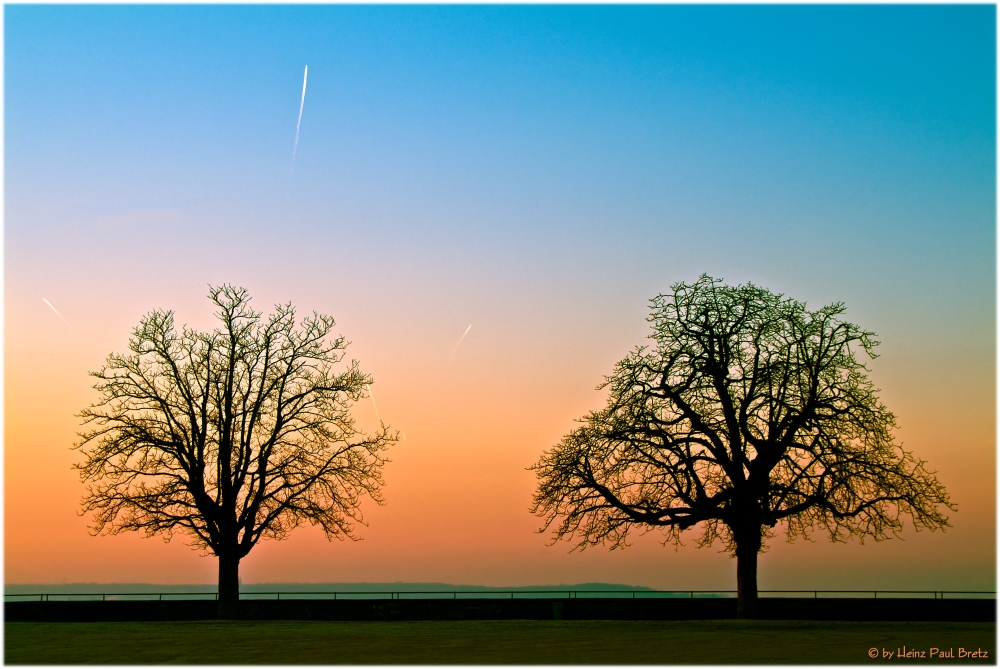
(746, 411)
(230, 436)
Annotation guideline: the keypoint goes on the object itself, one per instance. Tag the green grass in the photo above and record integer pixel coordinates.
(485, 642)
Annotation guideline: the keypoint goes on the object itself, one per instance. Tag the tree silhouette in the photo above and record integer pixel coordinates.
(747, 411)
(229, 436)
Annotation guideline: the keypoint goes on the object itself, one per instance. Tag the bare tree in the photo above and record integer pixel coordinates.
(747, 411)
(229, 436)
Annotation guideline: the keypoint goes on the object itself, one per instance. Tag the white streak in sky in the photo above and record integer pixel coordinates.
(54, 309)
(459, 341)
(372, 395)
(305, 77)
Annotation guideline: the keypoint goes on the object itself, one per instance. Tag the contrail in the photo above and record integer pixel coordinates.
(305, 77)
(372, 395)
(459, 341)
(57, 313)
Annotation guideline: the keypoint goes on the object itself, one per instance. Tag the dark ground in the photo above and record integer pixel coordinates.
(492, 642)
(528, 608)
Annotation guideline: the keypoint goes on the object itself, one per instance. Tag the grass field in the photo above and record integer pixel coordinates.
(486, 642)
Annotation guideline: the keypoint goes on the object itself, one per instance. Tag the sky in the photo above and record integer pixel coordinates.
(536, 172)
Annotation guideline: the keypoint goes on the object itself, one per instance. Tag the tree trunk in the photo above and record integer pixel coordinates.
(229, 586)
(748, 544)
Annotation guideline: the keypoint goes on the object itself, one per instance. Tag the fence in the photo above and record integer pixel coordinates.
(503, 594)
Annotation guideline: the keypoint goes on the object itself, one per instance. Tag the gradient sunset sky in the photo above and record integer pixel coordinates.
(537, 172)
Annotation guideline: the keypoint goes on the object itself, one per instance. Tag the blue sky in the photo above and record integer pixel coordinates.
(759, 126)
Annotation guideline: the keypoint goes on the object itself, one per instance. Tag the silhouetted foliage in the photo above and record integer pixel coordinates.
(747, 410)
(230, 436)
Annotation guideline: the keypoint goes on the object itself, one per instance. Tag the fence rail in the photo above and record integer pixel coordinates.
(500, 594)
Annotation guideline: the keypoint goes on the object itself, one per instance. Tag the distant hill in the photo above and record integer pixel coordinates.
(398, 586)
